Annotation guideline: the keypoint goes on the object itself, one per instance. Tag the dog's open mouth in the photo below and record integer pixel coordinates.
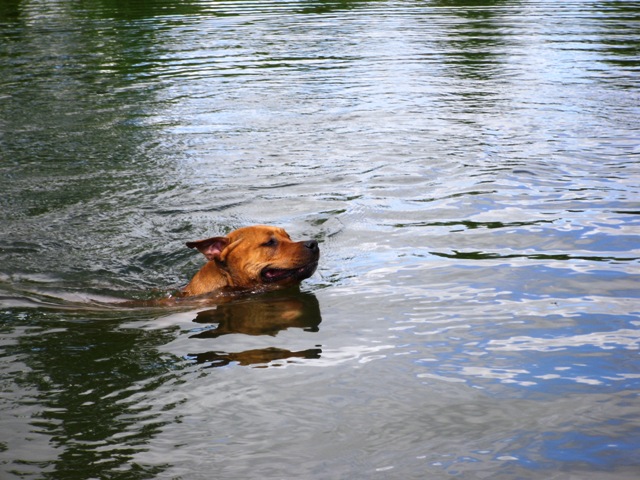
(272, 275)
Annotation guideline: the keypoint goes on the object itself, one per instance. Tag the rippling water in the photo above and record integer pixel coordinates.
(470, 169)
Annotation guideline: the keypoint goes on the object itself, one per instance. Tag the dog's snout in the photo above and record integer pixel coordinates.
(311, 245)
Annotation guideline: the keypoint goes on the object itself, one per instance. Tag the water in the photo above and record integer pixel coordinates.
(470, 169)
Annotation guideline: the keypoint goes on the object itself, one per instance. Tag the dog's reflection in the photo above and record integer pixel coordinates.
(253, 357)
(265, 314)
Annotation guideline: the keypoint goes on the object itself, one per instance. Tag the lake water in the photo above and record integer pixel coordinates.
(471, 170)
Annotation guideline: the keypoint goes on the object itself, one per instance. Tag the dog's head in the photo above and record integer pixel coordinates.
(260, 256)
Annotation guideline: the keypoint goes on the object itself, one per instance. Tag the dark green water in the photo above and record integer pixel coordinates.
(471, 171)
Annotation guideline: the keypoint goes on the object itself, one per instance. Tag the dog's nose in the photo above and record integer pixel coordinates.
(311, 245)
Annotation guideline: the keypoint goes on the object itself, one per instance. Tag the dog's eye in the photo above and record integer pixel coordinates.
(272, 242)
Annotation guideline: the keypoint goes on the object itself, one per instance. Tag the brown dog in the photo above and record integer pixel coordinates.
(258, 257)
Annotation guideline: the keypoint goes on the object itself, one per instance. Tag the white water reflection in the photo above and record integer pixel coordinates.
(625, 338)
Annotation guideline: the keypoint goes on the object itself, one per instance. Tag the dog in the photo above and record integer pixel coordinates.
(252, 258)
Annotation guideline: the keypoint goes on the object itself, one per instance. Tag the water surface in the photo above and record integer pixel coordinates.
(470, 169)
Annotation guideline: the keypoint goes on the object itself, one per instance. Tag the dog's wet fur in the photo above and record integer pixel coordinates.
(259, 258)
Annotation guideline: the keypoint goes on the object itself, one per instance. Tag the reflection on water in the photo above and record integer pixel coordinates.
(262, 315)
(252, 357)
(84, 376)
(469, 167)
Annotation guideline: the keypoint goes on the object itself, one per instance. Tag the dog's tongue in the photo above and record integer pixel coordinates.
(275, 273)
(278, 274)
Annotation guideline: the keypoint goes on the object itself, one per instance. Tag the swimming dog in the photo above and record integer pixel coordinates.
(252, 258)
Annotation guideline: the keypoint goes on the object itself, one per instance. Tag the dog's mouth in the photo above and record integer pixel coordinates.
(273, 275)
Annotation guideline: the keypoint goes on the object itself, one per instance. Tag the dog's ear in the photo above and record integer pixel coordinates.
(210, 247)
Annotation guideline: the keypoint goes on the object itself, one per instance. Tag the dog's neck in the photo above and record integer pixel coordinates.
(209, 278)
